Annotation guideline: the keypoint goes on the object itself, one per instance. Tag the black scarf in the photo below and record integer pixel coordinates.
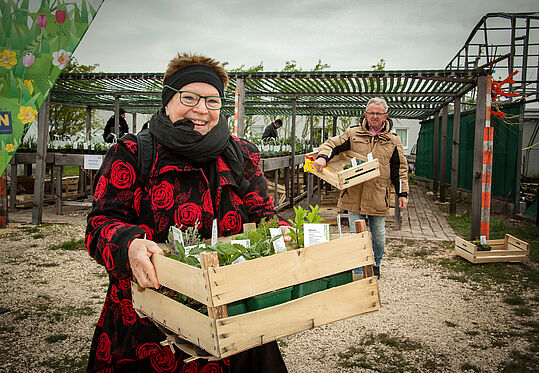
(182, 139)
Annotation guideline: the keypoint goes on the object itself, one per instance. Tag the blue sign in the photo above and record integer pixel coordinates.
(6, 127)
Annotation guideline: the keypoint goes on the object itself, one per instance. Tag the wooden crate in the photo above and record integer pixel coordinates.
(215, 286)
(509, 249)
(340, 178)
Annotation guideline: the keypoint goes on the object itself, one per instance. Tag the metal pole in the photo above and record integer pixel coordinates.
(240, 86)
(117, 116)
(518, 168)
(488, 150)
(293, 152)
(134, 123)
(88, 124)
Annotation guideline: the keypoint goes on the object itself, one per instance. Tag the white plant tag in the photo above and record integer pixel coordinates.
(240, 259)
(177, 234)
(214, 233)
(369, 157)
(353, 162)
(483, 240)
(278, 244)
(315, 234)
(244, 243)
(339, 225)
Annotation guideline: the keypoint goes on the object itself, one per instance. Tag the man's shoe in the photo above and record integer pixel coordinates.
(376, 270)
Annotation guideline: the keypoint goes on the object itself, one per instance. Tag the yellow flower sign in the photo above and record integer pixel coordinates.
(37, 38)
(7, 59)
(27, 114)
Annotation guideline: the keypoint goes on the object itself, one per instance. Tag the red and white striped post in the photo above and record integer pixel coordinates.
(236, 110)
(488, 147)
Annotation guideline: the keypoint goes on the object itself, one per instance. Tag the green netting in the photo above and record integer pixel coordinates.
(505, 150)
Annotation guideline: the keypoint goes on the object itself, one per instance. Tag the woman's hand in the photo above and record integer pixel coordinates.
(139, 253)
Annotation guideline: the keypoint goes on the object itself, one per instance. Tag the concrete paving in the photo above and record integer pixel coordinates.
(422, 220)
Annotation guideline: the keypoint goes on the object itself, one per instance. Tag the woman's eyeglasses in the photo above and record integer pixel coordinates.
(192, 99)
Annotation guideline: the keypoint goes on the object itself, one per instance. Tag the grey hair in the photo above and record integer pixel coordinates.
(378, 101)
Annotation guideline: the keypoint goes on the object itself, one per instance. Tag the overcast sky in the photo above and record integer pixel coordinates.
(142, 35)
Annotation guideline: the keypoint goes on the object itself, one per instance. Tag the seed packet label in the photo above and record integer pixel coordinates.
(278, 244)
(244, 243)
(240, 259)
(315, 233)
(483, 240)
(214, 233)
(339, 225)
(177, 234)
(369, 157)
(353, 162)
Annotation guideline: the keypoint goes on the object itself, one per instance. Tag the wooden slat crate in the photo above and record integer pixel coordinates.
(510, 249)
(341, 179)
(216, 287)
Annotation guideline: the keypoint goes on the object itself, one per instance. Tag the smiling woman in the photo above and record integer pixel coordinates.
(199, 173)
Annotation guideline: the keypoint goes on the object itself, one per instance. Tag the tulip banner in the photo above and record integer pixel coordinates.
(37, 38)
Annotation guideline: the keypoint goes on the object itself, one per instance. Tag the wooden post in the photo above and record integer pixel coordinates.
(435, 152)
(42, 140)
(334, 129)
(455, 157)
(13, 187)
(3, 200)
(209, 260)
(322, 133)
(293, 152)
(516, 193)
(117, 116)
(88, 124)
(480, 116)
(361, 226)
(443, 150)
(59, 202)
(311, 131)
(240, 91)
(134, 123)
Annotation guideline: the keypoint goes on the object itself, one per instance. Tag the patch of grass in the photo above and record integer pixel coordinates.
(46, 265)
(521, 362)
(56, 338)
(421, 253)
(38, 236)
(514, 300)
(523, 311)
(450, 324)
(471, 332)
(31, 230)
(7, 329)
(72, 311)
(467, 367)
(67, 364)
(72, 244)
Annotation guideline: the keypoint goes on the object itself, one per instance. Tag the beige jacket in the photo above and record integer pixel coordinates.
(372, 196)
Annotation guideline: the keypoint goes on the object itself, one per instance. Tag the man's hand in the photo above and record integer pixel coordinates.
(320, 164)
(403, 202)
(139, 253)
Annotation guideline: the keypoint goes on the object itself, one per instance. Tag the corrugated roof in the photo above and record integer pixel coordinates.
(410, 94)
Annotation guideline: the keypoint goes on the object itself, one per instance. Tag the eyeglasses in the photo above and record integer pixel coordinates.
(192, 99)
(375, 114)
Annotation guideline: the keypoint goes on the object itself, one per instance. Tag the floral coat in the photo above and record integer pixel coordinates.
(126, 207)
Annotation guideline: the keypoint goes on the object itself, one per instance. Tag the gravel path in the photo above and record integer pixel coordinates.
(429, 320)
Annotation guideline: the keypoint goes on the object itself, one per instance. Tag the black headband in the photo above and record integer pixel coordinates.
(191, 74)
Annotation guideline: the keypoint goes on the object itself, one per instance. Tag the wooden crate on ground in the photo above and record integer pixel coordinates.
(336, 175)
(509, 249)
(222, 335)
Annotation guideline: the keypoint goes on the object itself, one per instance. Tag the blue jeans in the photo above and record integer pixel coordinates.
(377, 226)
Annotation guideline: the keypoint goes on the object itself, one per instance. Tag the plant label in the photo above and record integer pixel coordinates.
(339, 225)
(315, 234)
(244, 243)
(369, 157)
(214, 233)
(353, 162)
(278, 244)
(483, 240)
(177, 234)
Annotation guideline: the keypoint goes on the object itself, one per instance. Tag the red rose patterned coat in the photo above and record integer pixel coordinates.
(126, 207)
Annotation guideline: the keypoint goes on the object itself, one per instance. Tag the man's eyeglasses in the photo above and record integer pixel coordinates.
(372, 114)
(192, 99)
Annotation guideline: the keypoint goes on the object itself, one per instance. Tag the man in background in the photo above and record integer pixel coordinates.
(270, 132)
(109, 133)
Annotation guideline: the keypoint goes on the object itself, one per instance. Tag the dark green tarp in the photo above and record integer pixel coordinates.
(505, 150)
